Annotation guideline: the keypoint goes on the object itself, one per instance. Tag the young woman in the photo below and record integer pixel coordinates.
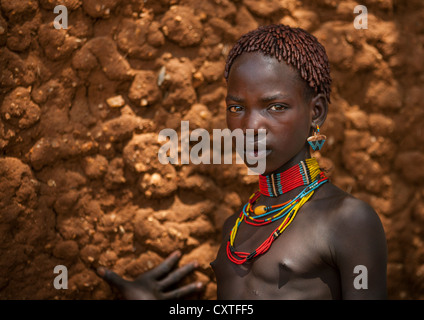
(298, 236)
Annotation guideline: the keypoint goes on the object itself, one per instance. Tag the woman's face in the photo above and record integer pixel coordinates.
(263, 93)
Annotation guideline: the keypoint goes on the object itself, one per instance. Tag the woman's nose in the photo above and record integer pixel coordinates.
(254, 121)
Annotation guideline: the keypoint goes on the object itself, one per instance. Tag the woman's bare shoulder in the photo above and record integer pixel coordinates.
(346, 214)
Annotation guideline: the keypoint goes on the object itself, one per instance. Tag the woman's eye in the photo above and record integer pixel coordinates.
(235, 109)
(278, 107)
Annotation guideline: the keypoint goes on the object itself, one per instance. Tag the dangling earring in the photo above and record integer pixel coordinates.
(317, 140)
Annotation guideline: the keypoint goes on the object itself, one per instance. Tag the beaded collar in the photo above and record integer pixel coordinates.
(305, 173)
(301, 174)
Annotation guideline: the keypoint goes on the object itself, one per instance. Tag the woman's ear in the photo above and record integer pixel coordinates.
(319, 107)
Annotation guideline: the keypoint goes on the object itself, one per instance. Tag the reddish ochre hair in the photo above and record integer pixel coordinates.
(295, 46)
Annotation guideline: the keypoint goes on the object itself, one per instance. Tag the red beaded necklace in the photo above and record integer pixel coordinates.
(301, 174)
(310, 172)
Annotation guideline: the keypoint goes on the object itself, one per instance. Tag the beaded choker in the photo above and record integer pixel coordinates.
(302, 174)
(267, 214)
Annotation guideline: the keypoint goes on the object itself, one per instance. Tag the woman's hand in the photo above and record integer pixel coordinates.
(152, 284)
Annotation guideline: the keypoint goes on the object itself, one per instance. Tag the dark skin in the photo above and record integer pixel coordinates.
(153, 284)
(332, 233)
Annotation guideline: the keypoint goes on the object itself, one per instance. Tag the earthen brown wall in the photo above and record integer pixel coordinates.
(80, 181)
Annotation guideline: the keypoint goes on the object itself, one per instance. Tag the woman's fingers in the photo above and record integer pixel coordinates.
(183, 291)
(166, 266)
(177, 275)
(111, 277)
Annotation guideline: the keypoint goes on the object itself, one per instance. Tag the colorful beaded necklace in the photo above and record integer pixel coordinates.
(302, 174)
(312, 177)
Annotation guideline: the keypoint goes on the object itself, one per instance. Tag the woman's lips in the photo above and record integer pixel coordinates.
(256, 150)
(257, 154)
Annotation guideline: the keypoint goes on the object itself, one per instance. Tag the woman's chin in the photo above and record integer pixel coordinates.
(257, 160)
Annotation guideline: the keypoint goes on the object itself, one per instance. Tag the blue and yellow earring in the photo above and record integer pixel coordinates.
(317, 140)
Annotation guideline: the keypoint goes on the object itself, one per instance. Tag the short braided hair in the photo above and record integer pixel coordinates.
(295, 46)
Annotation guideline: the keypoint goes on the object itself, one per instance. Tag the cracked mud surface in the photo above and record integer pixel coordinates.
(81, 108)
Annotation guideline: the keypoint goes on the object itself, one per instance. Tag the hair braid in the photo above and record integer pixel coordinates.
(295, 46)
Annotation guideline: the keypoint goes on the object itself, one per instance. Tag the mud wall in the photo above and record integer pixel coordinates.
(80, 110)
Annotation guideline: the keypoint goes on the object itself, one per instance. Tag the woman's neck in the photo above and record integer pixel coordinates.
(299, 171)
(302, 155)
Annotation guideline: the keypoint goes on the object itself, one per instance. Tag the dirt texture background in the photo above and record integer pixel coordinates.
(81, 109)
